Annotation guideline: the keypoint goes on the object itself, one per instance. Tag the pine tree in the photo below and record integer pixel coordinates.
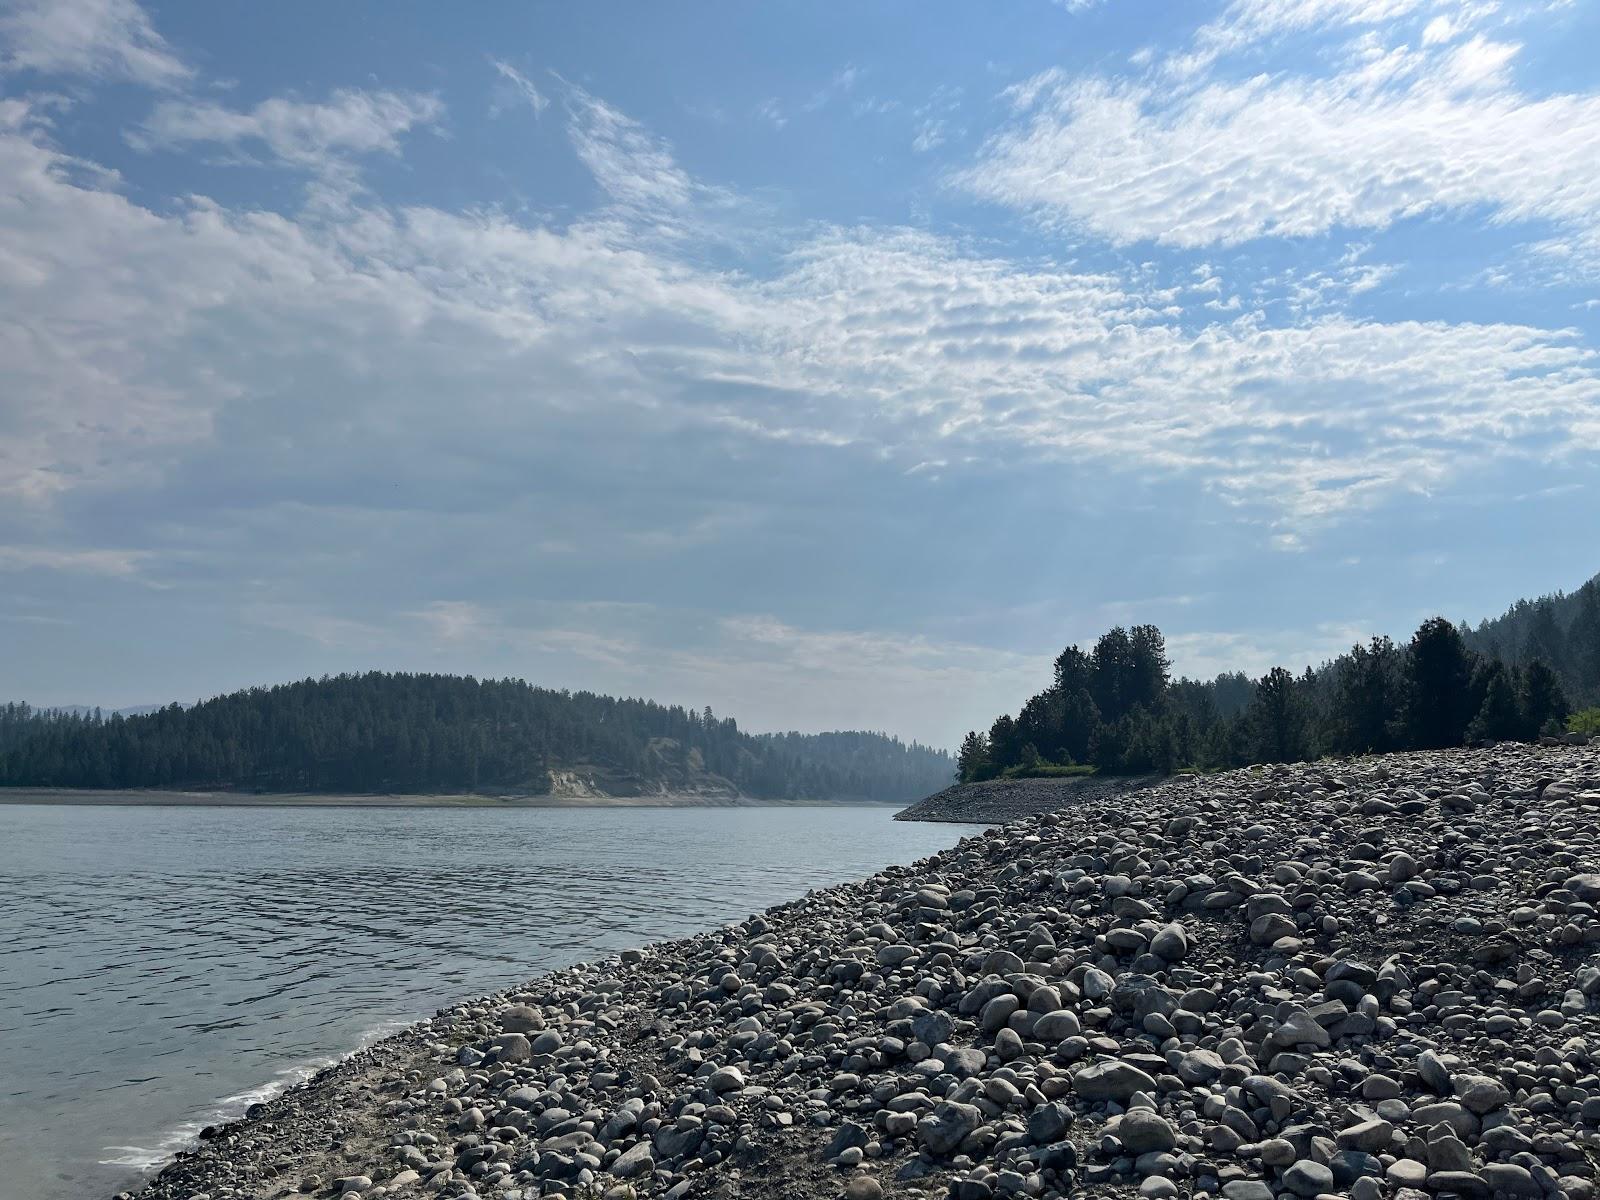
(1041, 723)
(1074, 670)
(1544, 704)
(1439, 681)
(1112, 686)
(1278, 718)
(972, 762)
(1148, 667)
(1079, 721)
(1365, 697)
(1005, 747)
(1500, 718)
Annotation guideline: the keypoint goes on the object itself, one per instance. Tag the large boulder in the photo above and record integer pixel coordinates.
(635, 1160)
(1111, 1079)
(943, 1130)
(519, 1018)
(1172, 943)
(1141, 1131)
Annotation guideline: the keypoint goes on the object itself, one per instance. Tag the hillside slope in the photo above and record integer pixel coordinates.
(407, 733)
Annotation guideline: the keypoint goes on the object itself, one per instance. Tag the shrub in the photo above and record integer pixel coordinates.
(1587, 721)
(1047, 770)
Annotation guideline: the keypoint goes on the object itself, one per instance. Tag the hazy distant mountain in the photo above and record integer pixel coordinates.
(1562, 628)
(444, 733)
(85, 710)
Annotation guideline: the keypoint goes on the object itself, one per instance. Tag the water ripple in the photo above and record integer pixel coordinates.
(163, 968)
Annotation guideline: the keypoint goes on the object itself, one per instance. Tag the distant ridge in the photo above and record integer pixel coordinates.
(86, 710)
(405, 733)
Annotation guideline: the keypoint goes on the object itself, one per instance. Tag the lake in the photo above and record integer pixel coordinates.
(161, 968)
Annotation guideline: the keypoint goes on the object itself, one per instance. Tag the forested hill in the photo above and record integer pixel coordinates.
(444, 733)
(1533, 671)
(1562, 629)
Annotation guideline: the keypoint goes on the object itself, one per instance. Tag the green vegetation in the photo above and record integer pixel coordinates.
(1115, 709)
(443, 733)
(1047, 770)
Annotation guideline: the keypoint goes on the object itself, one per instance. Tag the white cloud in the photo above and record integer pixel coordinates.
(120, 564)
(453, 620)
(770, 110)
(317, 136)
(1207, 654)
(329, 631)
(1440, 29)
(190, 340)
(107, 40)
(635, 168)
(930, 136)
(143, 340)
(1400, 135)
(1310, 419)
(1246, 21)
(841, 84)
(519, 89)
(781, 675)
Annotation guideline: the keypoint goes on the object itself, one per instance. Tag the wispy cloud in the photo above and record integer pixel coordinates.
(1399, 131)
(640, 389)
(930, 136)
(843, 81)
(771, 111)
(516, 90)
(314, 135)
(330, 631)
(453, 620)
(104, 40)
(120, 564)
(910, 343)
(1206, 654)
(1245, 22)
(635, 168)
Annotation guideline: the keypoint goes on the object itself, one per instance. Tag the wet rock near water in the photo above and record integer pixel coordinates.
(1377, 978)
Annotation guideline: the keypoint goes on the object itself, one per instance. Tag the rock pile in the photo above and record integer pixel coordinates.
(1376, 978)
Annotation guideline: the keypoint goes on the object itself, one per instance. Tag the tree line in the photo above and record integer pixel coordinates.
(1115, 708)
(418, 733)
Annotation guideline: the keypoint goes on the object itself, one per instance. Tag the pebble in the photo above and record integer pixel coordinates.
(1374, 977)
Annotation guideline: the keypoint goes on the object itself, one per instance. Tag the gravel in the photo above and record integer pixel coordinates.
(1372, 978)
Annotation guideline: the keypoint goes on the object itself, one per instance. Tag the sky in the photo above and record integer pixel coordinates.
(833, 366)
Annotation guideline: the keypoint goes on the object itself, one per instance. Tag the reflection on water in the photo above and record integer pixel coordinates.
(161, 968)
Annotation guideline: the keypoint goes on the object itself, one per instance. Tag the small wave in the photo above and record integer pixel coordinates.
(187, 1134)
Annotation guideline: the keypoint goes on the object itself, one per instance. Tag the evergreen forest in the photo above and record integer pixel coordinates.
(1115, 708)
(404, 733)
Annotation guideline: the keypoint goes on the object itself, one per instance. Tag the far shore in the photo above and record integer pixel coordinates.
(152, 797)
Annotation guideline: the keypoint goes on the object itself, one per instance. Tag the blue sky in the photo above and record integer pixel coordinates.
(831, 366)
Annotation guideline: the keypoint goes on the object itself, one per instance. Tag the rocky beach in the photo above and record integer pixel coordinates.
(1371, 978)
(996, 801)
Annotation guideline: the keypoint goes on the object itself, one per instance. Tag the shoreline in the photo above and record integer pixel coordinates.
(221, 799)
(996, 801)
(1071, 999)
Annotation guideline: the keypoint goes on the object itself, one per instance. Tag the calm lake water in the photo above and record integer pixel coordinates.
(163, 968)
